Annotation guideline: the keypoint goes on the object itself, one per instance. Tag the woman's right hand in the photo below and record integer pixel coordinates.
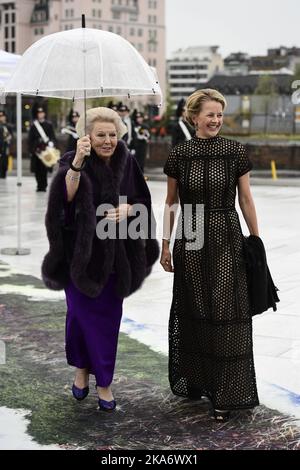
(83, 149)
(166, 260)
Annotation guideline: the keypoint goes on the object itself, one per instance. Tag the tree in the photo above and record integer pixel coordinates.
(268, 89)
(169, 110)
(297, 73)
(57, 110)
(98, 102)
(266, 86)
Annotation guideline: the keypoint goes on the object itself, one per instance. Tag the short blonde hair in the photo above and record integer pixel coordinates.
(196, 100)
(100, 114)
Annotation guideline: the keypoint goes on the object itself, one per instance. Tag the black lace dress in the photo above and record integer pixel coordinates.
(210, 328)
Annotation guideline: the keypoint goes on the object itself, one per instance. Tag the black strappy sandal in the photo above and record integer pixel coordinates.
(221, 415)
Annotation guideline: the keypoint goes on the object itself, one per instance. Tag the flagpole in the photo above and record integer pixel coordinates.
(19, 250)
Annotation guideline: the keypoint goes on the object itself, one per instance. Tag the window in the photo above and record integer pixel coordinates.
(152, 33)
(152, 19)
(152, 62)
(188, 67)
(183, 85)
(133, 17)
(152, 47)
(41, 16)
(40, 31)
(185, 77)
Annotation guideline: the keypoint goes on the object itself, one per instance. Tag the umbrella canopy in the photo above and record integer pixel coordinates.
(83, 63)
(8, 63)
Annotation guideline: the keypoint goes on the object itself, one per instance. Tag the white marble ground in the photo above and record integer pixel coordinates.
(13, 431)
(276, 334)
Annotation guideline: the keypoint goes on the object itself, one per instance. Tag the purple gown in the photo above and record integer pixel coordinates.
(92, 329)
(92, 326)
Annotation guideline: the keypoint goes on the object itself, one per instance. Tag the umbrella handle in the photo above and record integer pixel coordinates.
(83, 26)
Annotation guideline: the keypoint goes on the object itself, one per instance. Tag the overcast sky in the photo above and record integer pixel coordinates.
(234, 25)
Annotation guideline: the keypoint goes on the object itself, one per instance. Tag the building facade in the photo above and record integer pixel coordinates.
(189, 67)
(142, 22)
(279, 58)
(237, 63)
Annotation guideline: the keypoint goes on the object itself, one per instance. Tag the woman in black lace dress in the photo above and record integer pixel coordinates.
(210, 328)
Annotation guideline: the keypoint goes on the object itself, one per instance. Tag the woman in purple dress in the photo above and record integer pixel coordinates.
(89, 256)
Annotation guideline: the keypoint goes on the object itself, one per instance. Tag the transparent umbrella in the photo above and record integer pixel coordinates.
(8, 63)
(83, 63)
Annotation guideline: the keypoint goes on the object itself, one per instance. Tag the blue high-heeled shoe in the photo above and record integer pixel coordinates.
(80, 393)
(107, 405)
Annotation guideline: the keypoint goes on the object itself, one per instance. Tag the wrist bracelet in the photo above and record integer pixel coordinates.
(167, 239)
(77, 169)
(73, 178)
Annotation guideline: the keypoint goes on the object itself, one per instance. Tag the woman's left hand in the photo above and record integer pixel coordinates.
(119, 214)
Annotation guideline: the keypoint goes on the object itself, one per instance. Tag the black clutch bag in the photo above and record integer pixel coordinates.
(262, 291)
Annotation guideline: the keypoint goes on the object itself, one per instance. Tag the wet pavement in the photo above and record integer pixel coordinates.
(36, 378)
